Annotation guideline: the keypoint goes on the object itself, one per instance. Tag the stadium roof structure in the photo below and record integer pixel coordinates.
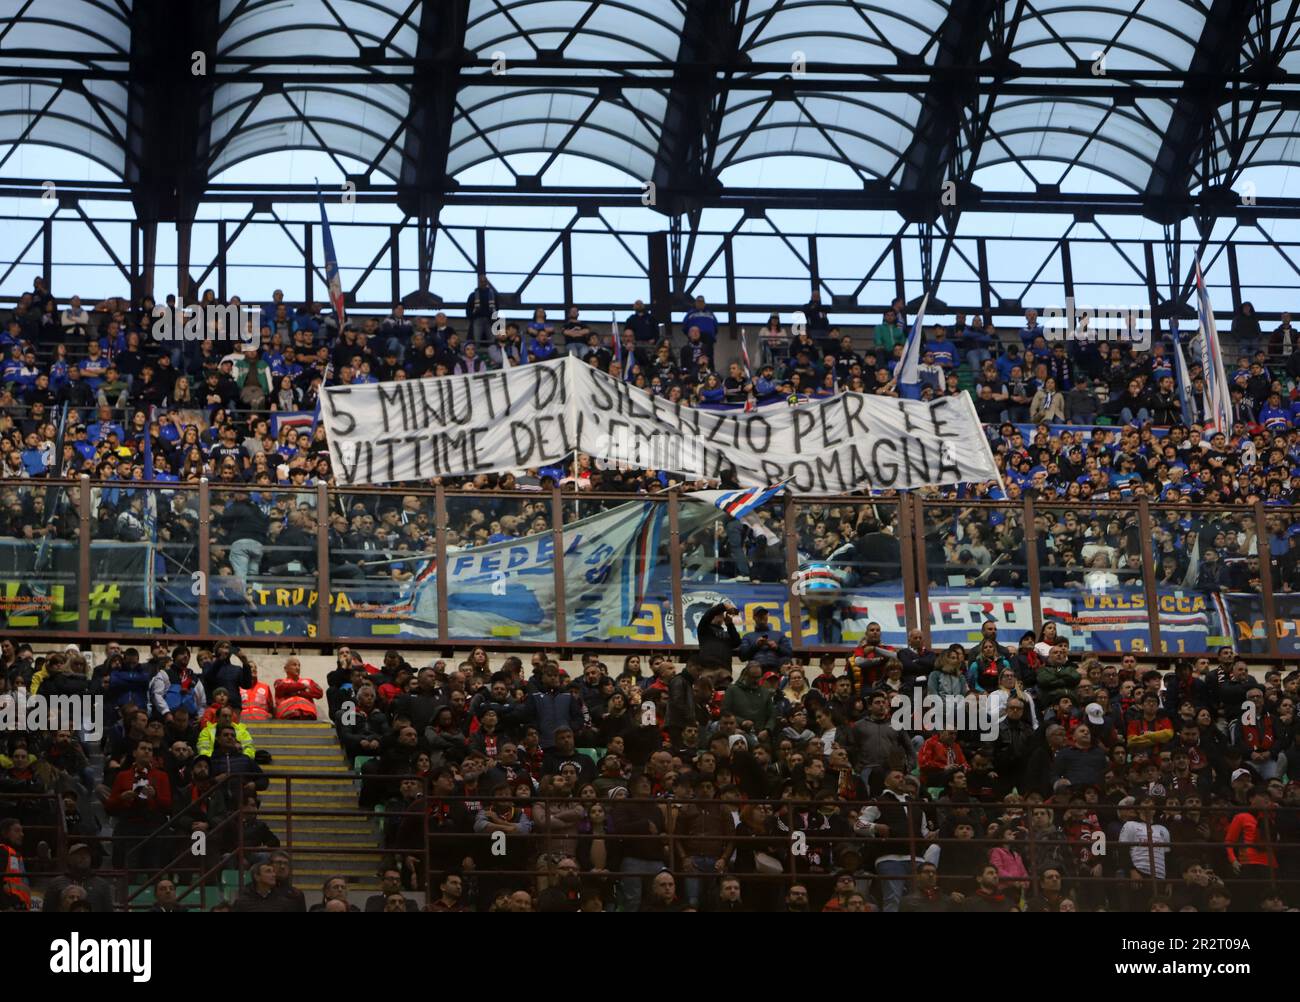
(1166, 110)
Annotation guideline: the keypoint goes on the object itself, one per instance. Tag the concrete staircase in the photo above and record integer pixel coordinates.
(311, 747)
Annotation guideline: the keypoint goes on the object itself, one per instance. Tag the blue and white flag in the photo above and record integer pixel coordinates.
(743, 506)
(1218, 399)
(738, 504)
(907, 376)
(1183, 377)
(332, 278)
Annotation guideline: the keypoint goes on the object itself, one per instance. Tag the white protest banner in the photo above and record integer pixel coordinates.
(845, 443)
(416, 429)
(535, 415)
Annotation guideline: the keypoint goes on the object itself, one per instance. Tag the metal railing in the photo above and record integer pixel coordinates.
(1095, 871)
(309, 600)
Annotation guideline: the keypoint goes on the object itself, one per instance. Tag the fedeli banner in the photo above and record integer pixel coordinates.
(615, 562)
(616, 566)
(537, 415)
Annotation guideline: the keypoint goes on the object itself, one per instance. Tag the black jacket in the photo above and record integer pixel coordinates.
(717, 643)
(243, 520)
(223, 673)
(681, 699)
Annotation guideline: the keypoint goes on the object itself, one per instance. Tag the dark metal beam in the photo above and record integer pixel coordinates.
(874, 199)
(1189, 136)
(433, 106)
(949, 100)
(683, 173)
(818, 75)
(169, 107)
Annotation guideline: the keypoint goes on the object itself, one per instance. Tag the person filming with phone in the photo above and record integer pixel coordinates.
(717, 636)
(140, 800)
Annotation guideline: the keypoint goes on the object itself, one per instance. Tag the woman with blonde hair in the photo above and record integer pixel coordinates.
(180, 393)
(796, 687)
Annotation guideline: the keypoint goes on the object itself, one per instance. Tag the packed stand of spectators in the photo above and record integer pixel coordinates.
(513, 787)
(209, 411)
(195, 391)
(507, 787)
(174, 759)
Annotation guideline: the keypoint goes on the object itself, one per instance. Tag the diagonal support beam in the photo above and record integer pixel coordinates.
(440, 52)
(1190, 133)
(945, 107)
(710, 46)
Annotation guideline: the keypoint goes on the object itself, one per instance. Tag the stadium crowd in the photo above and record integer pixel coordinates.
(1183, 780)
(1040, 781)
(1072, 421)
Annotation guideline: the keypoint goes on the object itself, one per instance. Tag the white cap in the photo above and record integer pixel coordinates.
(1239, 773)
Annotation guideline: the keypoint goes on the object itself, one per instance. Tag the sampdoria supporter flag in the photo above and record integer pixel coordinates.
(1218, 399)
(743, 506)
(332, 279)
(738, 504)
(1183, 377)
(907, 376)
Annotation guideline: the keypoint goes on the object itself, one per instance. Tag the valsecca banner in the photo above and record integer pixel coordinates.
(536, 415)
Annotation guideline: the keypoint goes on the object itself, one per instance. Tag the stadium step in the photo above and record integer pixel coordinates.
(311, 749)
(309, 763)
(276, 739)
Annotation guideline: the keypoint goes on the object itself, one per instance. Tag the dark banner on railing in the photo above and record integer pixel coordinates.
(39, 581)
(1250, 630)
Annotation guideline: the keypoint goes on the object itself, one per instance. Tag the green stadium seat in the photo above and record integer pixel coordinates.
(144, 900)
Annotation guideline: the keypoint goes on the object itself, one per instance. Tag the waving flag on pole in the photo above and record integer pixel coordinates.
(1183, 377)
(1218, 400)
(907, 377)
(738, 504)
(750, 401)
(743, 505)
(332, 278)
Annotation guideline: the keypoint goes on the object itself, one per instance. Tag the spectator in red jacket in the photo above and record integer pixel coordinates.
(1149, 732)
(1249, 850)
(140, 801)
(295, 697)
(940, 757)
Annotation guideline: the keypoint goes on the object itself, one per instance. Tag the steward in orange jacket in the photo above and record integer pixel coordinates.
(257, 700)
(295, 697)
